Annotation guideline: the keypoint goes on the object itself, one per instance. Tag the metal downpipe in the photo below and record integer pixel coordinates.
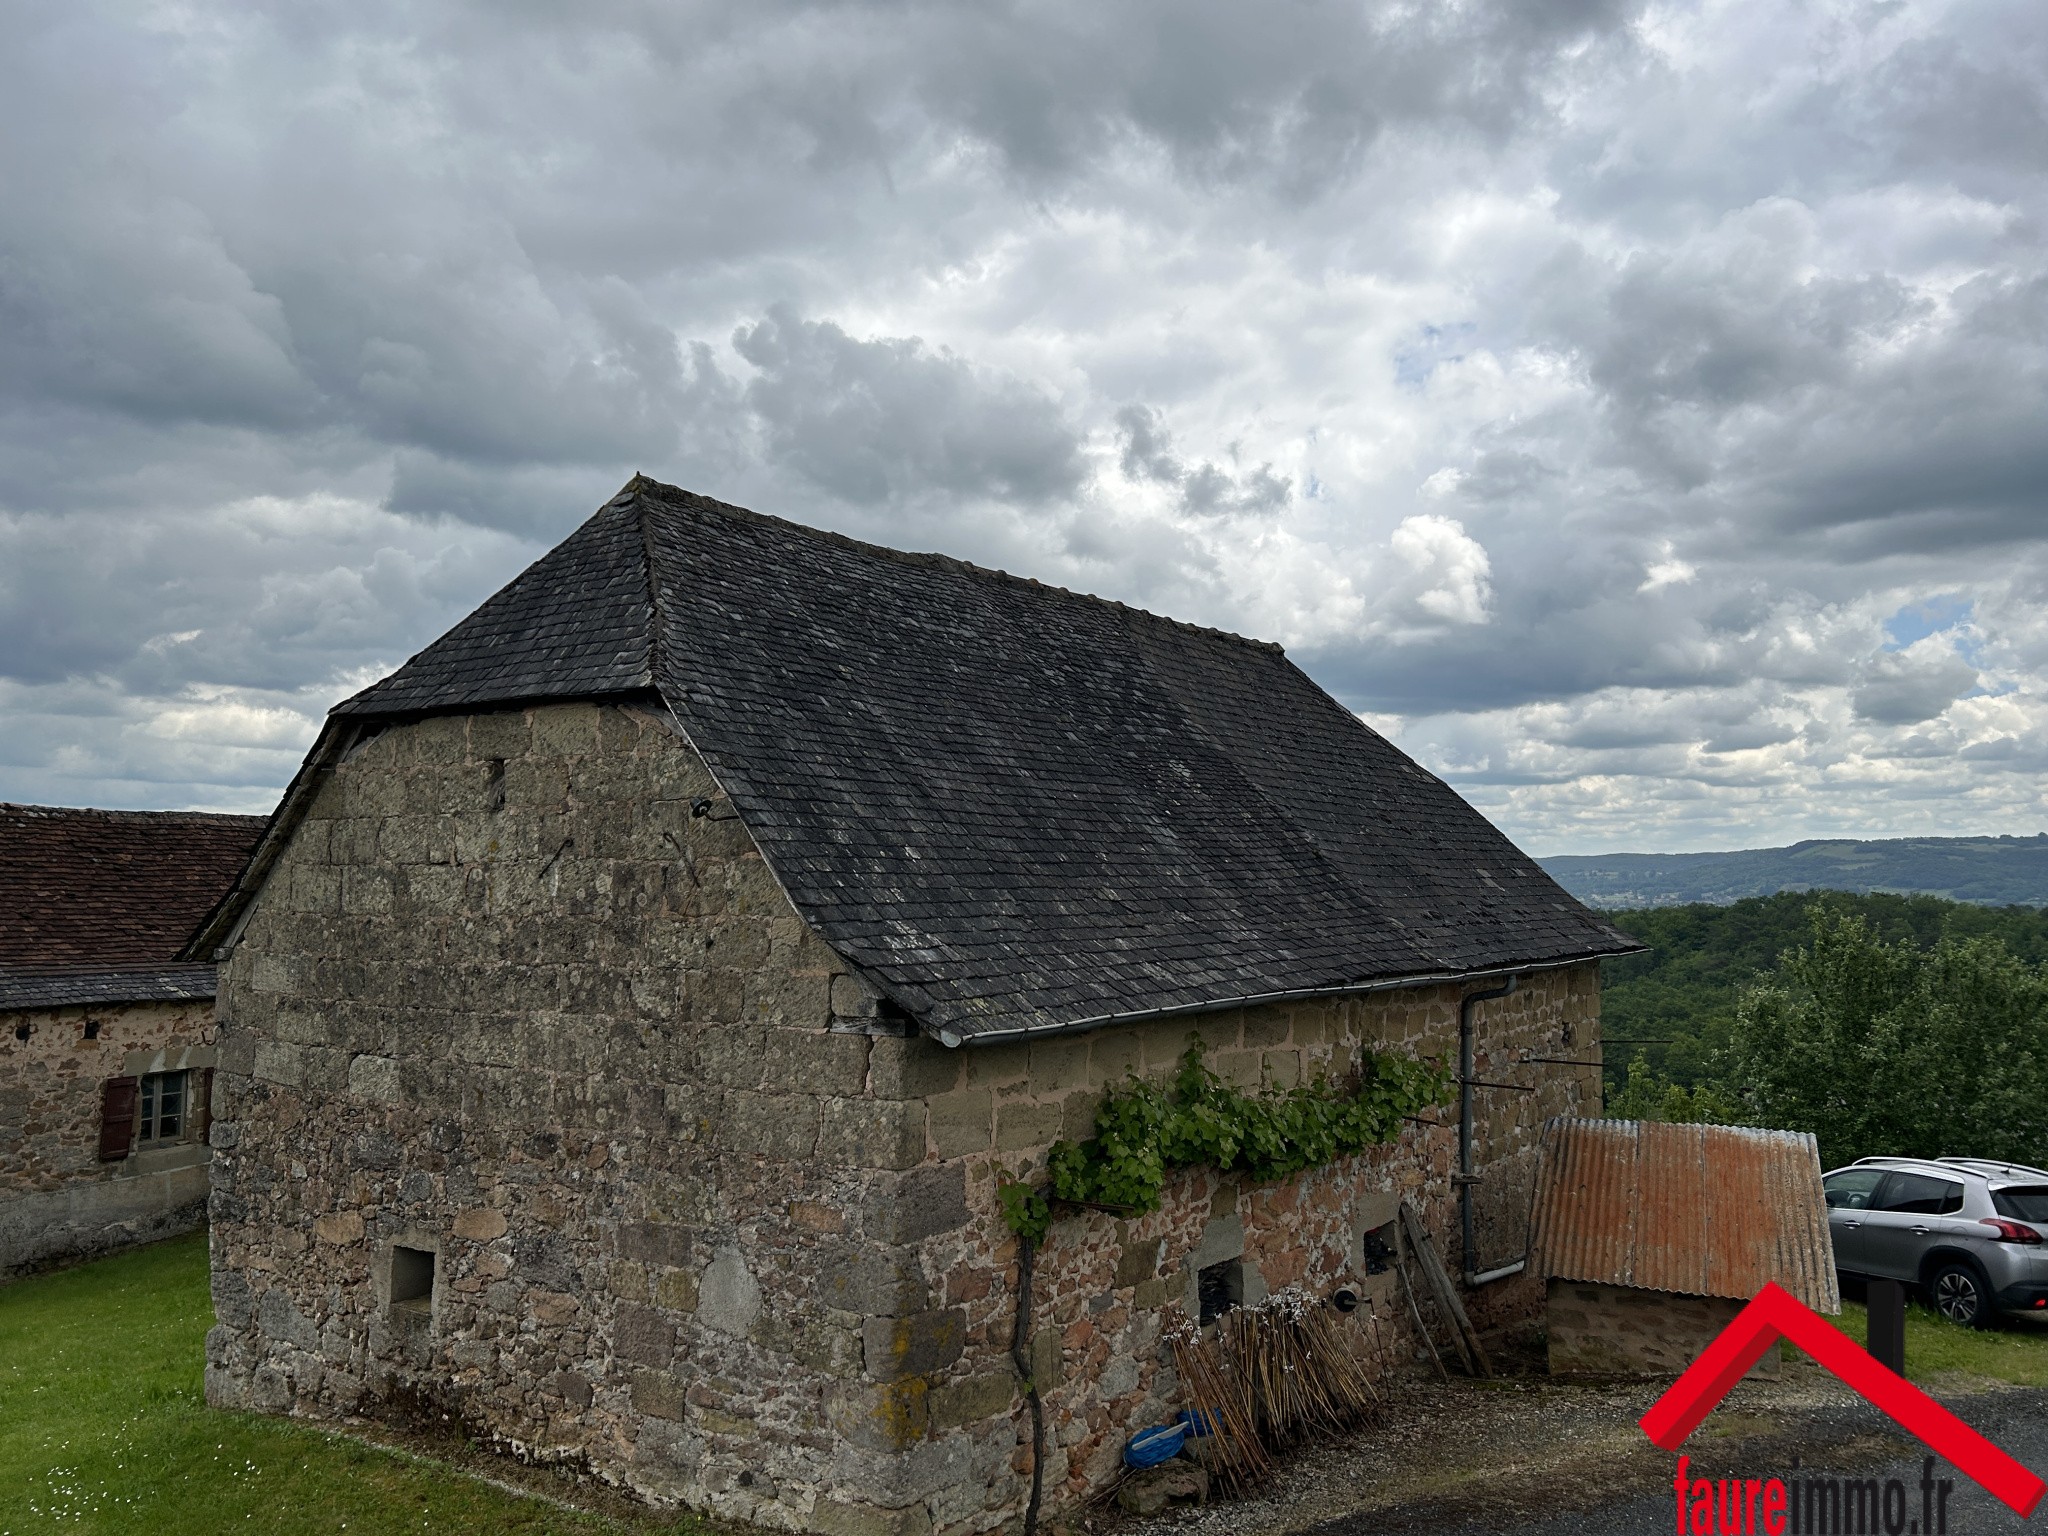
(1469, 1259)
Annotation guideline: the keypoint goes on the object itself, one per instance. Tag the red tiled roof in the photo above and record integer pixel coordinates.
(82, 887)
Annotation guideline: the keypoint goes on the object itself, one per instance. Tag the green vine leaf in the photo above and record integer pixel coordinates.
(1143, 1130)
(1025, 1211)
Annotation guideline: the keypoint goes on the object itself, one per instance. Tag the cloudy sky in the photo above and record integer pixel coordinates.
(1638, 411)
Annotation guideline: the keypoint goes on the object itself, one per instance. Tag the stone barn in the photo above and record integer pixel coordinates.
(1651, 1237)
(106, 1039)
(639, 996)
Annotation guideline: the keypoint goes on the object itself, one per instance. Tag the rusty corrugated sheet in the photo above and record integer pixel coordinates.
(1706, 1210)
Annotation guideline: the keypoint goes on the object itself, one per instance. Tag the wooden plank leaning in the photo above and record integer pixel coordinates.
(1470, 1350)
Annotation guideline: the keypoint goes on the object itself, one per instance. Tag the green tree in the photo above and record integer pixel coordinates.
(1879, 1046)
(1647, 1095)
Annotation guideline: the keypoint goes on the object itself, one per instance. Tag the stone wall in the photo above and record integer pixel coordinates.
(1107, 1288)
(1615, 1330)
(58, 1201)
(699, 1215)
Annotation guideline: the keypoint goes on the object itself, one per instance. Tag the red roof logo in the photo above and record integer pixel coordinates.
(1777, 1313)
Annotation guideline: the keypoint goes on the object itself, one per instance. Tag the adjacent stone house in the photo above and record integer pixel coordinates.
(106, 1040)
(638, 997)
(1651, 1237)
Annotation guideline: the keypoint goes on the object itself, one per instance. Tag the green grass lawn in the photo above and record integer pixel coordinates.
(1940, 1352)
(104, 1427)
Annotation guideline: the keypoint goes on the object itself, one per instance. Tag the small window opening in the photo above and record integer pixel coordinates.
(495, 785)
(1379, 1249)
(92, 1029)
(412, 1278)
(1220, 1288)
(162, 1115)
(21, 1031)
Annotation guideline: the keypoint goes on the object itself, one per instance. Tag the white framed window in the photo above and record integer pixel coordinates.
(164, 1113)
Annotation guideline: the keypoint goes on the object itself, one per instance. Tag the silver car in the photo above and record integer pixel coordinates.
(1967, 1232)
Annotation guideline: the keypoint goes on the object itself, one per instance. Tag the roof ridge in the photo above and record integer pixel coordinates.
(642, 484)
(633, 487)
(54, 811)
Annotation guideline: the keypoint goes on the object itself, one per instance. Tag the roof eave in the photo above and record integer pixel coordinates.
(950, 1036)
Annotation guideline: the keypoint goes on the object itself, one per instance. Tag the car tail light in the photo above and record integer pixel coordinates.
(2011, 1231)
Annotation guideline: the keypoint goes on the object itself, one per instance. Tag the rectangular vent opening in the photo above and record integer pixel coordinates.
(412, 1278)
(1220, 1288)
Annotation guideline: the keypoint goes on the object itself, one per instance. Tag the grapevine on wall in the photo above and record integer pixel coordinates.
(1142, 1130)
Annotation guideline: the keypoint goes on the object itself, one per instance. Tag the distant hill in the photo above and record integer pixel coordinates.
(1992, 871)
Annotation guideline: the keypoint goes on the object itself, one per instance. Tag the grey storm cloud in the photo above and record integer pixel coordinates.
(1581, 391)
(1146, 455)
(874, 421)
(1907, 690)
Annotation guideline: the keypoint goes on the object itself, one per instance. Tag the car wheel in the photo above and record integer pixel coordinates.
(1958, 1294)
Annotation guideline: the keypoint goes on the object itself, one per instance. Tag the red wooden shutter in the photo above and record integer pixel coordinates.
(117, 1117)
(202, 1102)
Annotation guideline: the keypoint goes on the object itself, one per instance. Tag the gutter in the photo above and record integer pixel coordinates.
(949, 1036)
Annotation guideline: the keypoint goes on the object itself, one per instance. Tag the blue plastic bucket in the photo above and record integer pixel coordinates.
(1149, 1447)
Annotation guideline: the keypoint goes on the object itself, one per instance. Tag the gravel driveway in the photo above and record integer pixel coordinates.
(1531, 1455)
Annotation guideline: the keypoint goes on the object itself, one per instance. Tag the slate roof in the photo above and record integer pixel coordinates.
(22, 990)
(111, 888)
(1014, 807)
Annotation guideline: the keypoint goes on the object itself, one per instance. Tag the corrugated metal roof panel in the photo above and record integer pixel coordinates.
(1705, 1210)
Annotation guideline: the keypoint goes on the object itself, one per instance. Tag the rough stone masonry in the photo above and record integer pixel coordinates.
(60, 1199)
(537, 1099)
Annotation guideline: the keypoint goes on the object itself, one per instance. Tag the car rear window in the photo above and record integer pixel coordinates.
(1920, 1195)
(2026, 1204)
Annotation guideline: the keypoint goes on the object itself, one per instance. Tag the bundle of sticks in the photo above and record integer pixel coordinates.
(1274, 1376)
